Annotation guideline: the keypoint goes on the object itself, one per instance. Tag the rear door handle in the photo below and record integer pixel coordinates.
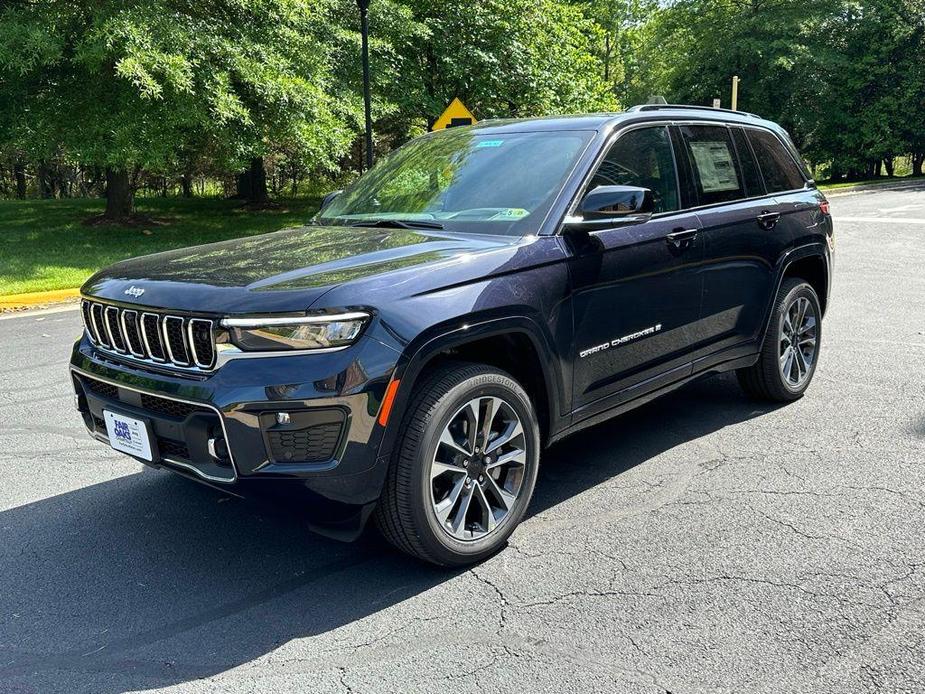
(768, 220)
(682, 238)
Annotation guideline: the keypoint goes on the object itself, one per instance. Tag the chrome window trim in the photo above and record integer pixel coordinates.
(618, 132)
(173, 359)
(144, 337)
(112, 340)
(197, 403)
(266, 321)
(128, 342)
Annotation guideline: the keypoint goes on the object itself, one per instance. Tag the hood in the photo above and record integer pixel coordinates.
(282, 271)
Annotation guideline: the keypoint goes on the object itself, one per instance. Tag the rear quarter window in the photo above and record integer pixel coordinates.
(779, 169)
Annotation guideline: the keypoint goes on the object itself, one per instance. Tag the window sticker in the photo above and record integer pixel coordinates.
(716, 166)
(511, 213)
(490, 143)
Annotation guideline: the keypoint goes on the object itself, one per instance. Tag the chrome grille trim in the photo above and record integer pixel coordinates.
(110, 317)
(191, 339)
(99, 325)
(107, 329)
(125, 332)
(157, 335)
(180, 360)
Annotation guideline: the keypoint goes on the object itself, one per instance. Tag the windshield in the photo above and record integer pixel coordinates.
(460, 180)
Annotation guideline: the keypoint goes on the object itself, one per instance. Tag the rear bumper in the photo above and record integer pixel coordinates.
(222, 429)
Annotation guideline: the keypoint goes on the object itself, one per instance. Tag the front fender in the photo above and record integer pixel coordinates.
(439, 340)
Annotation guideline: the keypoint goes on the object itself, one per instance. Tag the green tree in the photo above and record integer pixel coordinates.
(503, 58)
(141, 84)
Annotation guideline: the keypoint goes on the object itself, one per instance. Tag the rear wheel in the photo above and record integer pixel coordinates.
(465, 467)
(791, 348)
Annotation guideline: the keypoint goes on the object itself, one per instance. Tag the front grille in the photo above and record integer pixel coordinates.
(311, 445)
(174, 449)
(103, 389)
(171, 408)
(163, 339)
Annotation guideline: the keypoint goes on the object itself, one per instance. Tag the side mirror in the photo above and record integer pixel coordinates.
(327, 199)
(610, 206)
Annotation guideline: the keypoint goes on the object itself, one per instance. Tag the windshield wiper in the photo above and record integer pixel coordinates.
(397, 224)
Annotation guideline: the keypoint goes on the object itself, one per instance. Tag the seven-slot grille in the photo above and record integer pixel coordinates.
(154, 337)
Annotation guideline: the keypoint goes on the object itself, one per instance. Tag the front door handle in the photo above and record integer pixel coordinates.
(768, 220)
(682, 238)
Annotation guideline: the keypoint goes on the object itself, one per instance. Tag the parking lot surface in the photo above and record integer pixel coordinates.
(703, 543)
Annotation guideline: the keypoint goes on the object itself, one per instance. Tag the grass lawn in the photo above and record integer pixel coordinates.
(44, 246)
(872, 182)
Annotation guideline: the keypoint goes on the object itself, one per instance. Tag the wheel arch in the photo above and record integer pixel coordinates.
(810, 262)
(514, 344)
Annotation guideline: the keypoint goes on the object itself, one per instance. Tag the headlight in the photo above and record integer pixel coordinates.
(274, 333)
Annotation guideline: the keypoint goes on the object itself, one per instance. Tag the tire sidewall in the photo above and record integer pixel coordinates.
(446, 548)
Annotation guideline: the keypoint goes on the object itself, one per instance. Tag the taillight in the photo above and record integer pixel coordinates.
(824, 207)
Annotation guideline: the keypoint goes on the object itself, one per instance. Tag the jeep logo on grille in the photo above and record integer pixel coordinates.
(135, 291)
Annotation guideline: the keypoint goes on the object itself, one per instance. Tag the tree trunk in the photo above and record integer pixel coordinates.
(889, 165)
(45, 187)
(917, 161)
(120, 200)
(186, 184)
(252, 183)
(19, 173)
(877, 168)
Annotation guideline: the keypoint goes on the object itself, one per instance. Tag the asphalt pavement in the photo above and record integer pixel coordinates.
(703, 543)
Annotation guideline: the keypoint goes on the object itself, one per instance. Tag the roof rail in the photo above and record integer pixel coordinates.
(686, 107)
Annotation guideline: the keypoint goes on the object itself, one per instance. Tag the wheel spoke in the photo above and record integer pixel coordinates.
(439, 468)
(490, 521)
(785, 359)
(492, 405)
(459, 520)
(515, 457)
(472, 415)
(447, 440)
(504, 497)
(511, 431)
(446, 505)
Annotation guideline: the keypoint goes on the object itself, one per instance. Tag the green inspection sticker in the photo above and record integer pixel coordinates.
(490, 143)
(511, 213)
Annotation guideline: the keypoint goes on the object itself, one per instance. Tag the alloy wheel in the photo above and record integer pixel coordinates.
(798, 336)
(477, 470)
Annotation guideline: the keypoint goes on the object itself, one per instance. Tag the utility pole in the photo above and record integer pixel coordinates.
(367, 108)
(735, 92)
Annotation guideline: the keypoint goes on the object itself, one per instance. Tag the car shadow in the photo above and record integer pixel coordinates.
(148, 580)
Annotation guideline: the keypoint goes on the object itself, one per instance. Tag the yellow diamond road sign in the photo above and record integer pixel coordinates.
(455, 114)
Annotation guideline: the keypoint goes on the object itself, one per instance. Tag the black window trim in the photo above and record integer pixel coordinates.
(807, 182)
(619, 131)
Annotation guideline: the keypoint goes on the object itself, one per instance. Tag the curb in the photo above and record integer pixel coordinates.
(16, 302)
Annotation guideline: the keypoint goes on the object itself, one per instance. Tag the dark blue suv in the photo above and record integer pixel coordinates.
(479, 294)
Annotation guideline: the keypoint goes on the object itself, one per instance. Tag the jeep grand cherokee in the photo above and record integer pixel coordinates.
(479, 294)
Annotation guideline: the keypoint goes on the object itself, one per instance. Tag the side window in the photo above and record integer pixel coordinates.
(780, 171)
(753, 184)
(716, 171)
(642, 158)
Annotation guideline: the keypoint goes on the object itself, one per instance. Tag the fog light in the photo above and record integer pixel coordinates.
(282, 418)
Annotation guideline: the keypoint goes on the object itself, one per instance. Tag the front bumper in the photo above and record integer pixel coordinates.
(221, 428)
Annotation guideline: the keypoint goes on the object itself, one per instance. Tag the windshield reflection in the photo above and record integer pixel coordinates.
(459, 179)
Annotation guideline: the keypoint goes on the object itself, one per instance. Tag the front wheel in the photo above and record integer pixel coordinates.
(465, 467)
(791, 348)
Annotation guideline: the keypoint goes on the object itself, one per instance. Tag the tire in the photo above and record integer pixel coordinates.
(766, 379)
(435, 438)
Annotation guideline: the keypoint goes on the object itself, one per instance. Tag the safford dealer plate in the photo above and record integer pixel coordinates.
(128, 435)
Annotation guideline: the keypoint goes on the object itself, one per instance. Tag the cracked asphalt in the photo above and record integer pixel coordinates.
(703, 543)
